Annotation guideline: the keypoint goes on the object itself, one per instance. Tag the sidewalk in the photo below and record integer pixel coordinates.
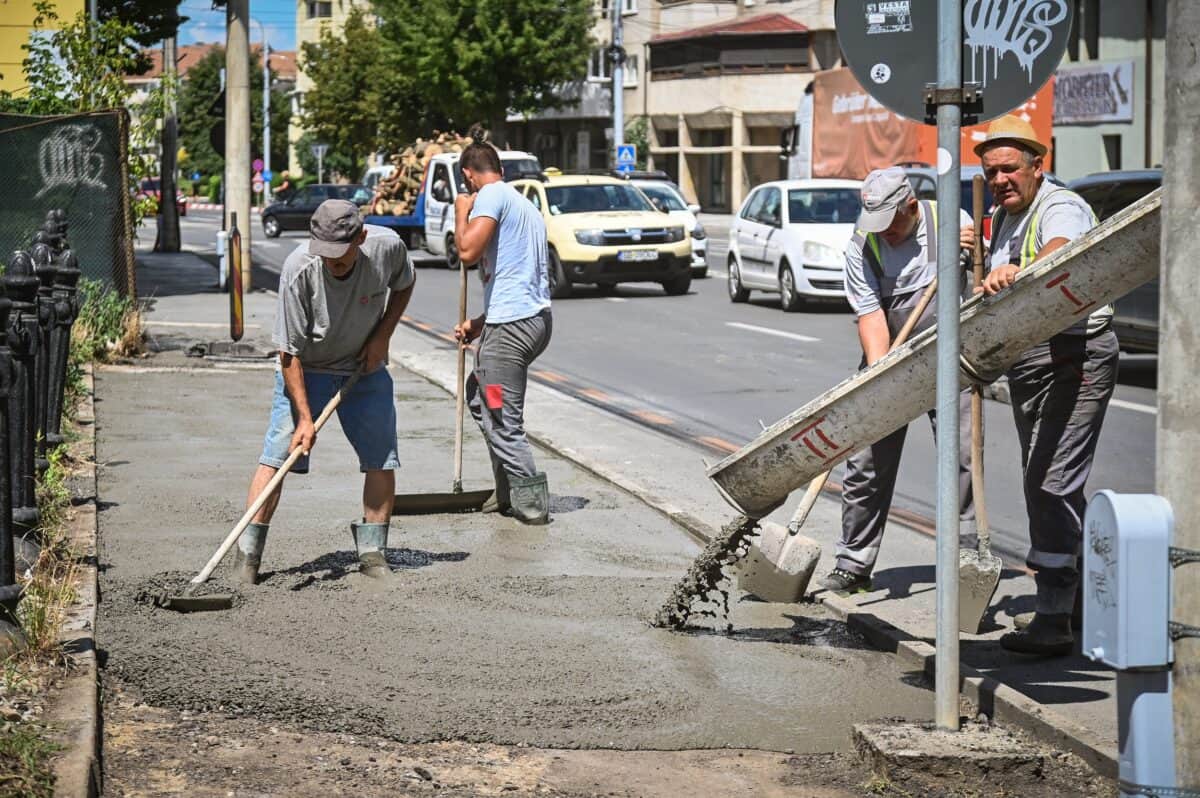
(580, 590)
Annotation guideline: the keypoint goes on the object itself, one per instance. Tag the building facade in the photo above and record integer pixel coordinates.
(16, 24)
(1108, 99)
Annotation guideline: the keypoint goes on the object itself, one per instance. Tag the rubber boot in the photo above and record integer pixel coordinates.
(247, 558)
(530, 499)
(371, 541)
(1023, 620)
(1045, 636)
(499, 501)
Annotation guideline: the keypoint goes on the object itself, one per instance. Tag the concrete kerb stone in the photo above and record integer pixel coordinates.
(995, 699)
(977, 752)
(74, 714)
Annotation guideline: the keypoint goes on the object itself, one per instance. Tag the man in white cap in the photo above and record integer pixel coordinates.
(1060, 388)
(890, 261)
(340, 298)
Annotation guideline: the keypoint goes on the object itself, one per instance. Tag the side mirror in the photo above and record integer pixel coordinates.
(694, 208)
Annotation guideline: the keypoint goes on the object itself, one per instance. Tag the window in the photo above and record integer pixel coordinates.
(770, 212)
(753, 205)
(1112, 150)
(534, 197)
(600, 68)
(590, 199)
(666, 195)
(318, 9)
(628, 7)
(823, 206)
(720, 55)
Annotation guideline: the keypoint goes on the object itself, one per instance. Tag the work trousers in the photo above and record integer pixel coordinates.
(870, 479)
(496, 389)
(1060, 392)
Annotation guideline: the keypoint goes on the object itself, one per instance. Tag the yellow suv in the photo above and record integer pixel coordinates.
(605, 231)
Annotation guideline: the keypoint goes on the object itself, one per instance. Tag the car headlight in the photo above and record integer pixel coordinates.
(593, 238)
(698, 232)
(675, 234)
(814, 251)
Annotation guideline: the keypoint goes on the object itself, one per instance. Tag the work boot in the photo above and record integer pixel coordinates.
(247, 558)
(1023, 620)
(1045, 636)
(371, 542)
(530, 498)
(845, 582)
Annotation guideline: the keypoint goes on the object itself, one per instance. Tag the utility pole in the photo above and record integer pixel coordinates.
(1178, 440)
(617, 58)
(266, 100)
(168, 229)
(237, 124)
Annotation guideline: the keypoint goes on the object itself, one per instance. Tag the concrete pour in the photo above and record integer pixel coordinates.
(492, 632)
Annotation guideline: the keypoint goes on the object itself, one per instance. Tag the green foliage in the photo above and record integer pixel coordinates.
(25, 762)
(102, 323)
(470, 60)
(335, 160)
(214, 188)
(152, 20)
(196, 97)
(637, 133)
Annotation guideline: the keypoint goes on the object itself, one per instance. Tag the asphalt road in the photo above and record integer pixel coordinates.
(700, 367)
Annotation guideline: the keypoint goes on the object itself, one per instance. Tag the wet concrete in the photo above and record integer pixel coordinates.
(492, 632)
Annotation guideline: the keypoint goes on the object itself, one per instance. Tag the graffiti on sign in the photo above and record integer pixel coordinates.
(995, 29)
(1095, 93)
(70, 157)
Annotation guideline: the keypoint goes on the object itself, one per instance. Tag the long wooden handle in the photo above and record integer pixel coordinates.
(462, 377)
(257, 504)
(977, 489)
(818, 484)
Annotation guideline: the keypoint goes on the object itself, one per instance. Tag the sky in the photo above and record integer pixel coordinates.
(207, 25)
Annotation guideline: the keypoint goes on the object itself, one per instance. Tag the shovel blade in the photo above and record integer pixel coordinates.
(978, 578)
(780, 564)
(215, 602)
(430, 503)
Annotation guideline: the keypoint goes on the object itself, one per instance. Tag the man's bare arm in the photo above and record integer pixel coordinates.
(472, 235)
(873, 335)
(293, 382)
(374, 351)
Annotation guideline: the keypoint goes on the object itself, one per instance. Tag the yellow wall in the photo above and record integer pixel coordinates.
(16, 21)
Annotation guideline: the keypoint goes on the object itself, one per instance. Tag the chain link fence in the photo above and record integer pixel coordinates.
(78, 163)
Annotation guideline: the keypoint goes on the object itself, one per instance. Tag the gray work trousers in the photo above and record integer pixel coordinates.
(1060, 392)
(496, 391)
(870, 479)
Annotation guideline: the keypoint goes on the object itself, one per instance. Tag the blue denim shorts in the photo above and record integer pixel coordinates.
(367, 415)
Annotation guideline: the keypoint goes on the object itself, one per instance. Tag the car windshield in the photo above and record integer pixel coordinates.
(664, 194)
(521, 167)
(589, 199)
(823, 205)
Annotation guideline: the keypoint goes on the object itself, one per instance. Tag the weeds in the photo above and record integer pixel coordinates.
(24, 762)
(108, 325)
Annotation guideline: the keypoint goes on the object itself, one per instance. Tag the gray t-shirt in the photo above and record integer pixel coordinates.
(515, 267)
(907, 268)
(324, 320)
(1061, 213)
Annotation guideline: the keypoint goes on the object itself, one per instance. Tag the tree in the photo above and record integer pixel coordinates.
(335, 161)
(200, 89)
(476, 60)
(152, 20)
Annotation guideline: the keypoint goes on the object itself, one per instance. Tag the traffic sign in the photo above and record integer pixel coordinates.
(195, 175)
(626, 155)
(319, 150)
(257, 186)
(892, 47)
(258, 164)
(267, 175)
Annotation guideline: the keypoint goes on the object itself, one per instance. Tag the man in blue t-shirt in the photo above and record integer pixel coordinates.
(505, 234)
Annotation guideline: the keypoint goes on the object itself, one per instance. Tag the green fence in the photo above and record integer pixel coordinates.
(77, 163)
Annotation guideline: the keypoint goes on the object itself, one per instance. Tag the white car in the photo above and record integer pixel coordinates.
(665, 195)
(790, 238)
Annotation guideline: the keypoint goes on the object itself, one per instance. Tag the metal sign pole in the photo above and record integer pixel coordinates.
(949, 124)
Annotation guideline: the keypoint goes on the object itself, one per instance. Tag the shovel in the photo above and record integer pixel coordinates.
(781, 563)
(188, 601)
(456, 501)
(979, 570)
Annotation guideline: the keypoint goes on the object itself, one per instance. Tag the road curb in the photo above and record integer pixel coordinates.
(75, 711)
(999, 701)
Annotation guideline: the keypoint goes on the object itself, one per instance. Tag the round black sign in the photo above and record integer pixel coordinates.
(1010, 49)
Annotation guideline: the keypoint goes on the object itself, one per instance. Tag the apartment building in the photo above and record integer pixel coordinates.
(16, 23)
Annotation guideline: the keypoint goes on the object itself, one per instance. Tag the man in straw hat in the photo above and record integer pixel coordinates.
(1060, 388)
(890, 261)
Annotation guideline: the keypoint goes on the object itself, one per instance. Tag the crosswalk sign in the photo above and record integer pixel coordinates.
(626, 157)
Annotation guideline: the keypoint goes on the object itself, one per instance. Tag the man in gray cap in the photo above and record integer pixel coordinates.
(340, 298)
(890, 261)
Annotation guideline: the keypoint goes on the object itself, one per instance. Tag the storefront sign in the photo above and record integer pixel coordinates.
(1094, 93)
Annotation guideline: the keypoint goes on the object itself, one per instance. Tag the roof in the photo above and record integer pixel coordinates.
(738, 26)
(283, 62)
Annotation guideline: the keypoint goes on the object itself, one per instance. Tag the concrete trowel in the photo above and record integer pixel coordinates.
(979, 570)
(457, 500)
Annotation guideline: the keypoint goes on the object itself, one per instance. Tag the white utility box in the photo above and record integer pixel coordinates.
(1127, 580)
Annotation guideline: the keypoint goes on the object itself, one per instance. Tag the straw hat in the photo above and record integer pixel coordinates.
(1012, 129)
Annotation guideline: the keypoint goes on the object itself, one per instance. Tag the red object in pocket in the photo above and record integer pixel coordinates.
(494, 396)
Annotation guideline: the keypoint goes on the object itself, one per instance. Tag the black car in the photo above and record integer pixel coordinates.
(1135, 318)
(294, 212)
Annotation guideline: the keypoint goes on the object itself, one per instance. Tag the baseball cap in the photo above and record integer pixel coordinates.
(334, 227)
(1011, 129)
(883, 192)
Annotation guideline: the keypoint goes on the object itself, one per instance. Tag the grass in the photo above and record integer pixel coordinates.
(24, 757)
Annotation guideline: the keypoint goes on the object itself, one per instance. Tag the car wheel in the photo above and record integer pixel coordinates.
(736, 292)
(788, 298)
(560, 286)
(271, 226)
(680, 285)
(452, 259)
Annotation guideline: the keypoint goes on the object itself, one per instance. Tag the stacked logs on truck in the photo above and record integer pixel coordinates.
(397, 193)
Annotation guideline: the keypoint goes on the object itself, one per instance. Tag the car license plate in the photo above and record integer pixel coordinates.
(637, 255)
